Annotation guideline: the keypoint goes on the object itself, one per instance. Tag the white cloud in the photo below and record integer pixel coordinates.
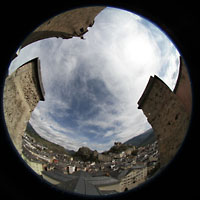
(122, 52)
(52, 131)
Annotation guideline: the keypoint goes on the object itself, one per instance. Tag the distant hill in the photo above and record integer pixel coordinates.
(143, 139)
(51, 146)
(86, 154)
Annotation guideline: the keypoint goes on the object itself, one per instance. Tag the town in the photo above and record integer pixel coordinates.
(88, 172)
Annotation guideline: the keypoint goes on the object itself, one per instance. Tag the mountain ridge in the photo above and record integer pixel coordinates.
(54, 147)
(147, 137)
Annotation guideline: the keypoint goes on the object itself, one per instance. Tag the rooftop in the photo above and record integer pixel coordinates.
(81, 182)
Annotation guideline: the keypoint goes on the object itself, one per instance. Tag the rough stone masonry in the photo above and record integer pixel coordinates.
(22, 91)
(73, 23)
(168, 112)
(23, 88)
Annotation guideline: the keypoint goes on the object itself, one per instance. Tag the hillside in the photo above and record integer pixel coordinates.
(120, 148)
(143, 139)
(51, 146)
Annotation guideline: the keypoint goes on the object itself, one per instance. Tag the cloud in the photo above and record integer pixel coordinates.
(92, 86)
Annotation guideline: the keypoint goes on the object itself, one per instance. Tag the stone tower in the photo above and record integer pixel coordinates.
(22, 91)
(168, 112)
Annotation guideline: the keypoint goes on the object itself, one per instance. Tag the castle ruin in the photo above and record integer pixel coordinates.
(168, 112)
(22, 91)
(72, 23)
(23, 88)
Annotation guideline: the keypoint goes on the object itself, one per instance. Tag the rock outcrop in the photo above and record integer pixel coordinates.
(86, 154)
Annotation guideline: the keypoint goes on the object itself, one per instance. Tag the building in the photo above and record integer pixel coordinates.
(79, 182)
(120, 155)
(35, 161)
(71, 169)
(23, 89)
(168, 112)
(127, 179)
(104, 158)
(37, 166)
(129, 151)
(133, 177)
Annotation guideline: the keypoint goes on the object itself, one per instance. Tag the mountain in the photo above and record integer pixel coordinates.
(51, 146)
(143, 139)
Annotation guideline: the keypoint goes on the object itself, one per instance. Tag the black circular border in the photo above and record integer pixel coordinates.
(180, 22)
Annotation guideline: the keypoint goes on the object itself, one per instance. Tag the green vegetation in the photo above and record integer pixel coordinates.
(43, 142)
(86, 154)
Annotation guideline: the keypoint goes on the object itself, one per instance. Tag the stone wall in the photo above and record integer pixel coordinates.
(167, 114)
(73, 23)
(183, 88)
(22, 92)
(23, 88)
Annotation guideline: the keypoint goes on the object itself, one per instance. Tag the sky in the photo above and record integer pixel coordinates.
(92, 86)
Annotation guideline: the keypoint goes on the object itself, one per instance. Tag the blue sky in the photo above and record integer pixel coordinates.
(92, 86)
